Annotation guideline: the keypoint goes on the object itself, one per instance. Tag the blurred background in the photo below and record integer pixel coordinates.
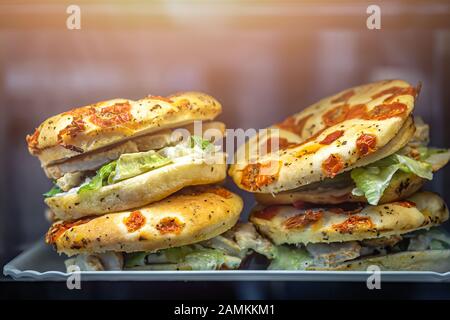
(263, 60)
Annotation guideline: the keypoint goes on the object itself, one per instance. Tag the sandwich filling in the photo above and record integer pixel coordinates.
(129, 165)
(226, 251)
(329, 255)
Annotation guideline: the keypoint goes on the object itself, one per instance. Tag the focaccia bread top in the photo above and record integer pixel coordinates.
(91, 127)
(336, 134)
(348, 222)
(192, 215)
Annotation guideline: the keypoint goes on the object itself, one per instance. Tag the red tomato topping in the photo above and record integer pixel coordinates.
(58, 229)
(33, 141)
(303, 219)
(293, 125)
(111, 116)
(354, 223)
(253, 179)
(386, 111)
(395, 92)
(336, 115)
(170, 225)
(332, 165)
(134, 221)
(329, 139)
(366, 143)
(344, 97)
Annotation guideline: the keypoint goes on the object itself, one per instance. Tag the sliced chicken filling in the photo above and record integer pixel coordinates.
(226, 251)
(72, 172)
(333, 254)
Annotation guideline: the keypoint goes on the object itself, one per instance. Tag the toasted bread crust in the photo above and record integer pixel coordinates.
(95, 126)
(192, 215)
(288, 225)
(350, 129)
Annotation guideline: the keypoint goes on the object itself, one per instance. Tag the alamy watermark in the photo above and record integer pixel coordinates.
(373, 21)
(374, 279)
(73, 21)
(74, 279)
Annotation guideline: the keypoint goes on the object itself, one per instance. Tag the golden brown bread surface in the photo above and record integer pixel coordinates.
(89, 128)
(326, 224)
(189, 216)
(347, 130)
(137, 191)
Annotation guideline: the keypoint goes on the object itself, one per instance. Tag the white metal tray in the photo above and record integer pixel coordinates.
(41, 263)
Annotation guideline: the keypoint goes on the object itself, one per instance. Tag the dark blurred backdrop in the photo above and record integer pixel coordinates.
(262, 59)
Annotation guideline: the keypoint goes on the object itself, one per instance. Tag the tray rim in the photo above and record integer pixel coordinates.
(11, 270)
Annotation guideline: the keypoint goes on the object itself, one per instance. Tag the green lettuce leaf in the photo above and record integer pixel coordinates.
(200, 142)
(194, 257)
(127, 166)
(133, 164)
(135, 259)
(53, 191)
(209, 259)
(426, 152)
(100, 179)
(291, 258)
(372, 180)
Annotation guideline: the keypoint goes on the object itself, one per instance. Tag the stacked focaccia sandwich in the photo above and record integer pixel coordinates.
(133, 184)
(341, 190)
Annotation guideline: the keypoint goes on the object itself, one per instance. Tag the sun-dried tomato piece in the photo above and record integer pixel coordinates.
(33, 142)
(293, 125)
(58, 229)
(336, 115)
(344, 97)
(386, 111)
(170, 225)
(111, 116)
(332, 165)
(134, 221)
(354, 223)
(357, 111)
(395, 91)
(366, 143)
(303, 219)
(254, 175)
(330, 138)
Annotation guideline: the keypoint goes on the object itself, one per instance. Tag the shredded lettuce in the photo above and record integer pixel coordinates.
(425, 152)
(133, 164)
(100, 179)
(291, 258)
(127, 166)
(372, 180)
(193, 257)
(200, 142)
(53, 191)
